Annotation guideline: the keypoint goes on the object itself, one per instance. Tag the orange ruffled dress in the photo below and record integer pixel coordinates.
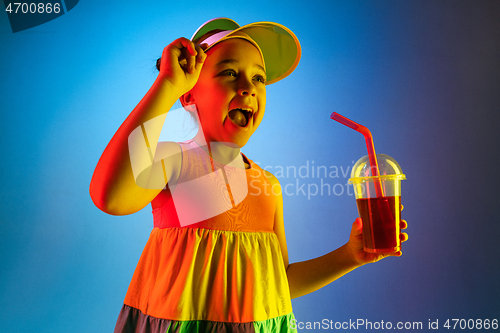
(223, 274)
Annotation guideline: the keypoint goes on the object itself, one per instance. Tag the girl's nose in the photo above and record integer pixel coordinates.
(246, 88)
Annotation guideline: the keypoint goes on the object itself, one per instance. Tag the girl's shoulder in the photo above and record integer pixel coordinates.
(267, 175)
(271, 178)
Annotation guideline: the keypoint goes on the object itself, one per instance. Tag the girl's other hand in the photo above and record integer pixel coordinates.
(355, 244)
(181, 63)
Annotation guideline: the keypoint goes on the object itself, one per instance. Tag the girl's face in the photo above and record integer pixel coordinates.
(230, 94)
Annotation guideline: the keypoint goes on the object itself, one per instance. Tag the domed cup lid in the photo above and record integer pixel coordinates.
(388, 169)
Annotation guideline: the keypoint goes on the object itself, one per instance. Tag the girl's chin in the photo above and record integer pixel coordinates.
(232, 141)
(239, 135)
(230, 144)
(238, 140)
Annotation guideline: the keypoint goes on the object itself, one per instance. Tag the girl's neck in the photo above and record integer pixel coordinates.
(223, 153)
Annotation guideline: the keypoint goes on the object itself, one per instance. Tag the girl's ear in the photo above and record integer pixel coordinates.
(188, 102)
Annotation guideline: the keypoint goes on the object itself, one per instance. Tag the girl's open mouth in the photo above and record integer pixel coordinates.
(240, 117)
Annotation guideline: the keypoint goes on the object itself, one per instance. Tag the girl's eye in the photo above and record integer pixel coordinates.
(228, 72)
(260, 78)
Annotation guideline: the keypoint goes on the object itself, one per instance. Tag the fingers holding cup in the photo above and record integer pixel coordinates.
(403, 224)
(403, 236)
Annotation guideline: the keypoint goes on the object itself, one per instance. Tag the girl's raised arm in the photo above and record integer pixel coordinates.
(126, 177)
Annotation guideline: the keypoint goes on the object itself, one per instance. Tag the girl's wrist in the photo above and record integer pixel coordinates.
(350, 256)
(167, 87)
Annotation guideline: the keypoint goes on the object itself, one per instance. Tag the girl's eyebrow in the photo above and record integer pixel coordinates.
(234, 61)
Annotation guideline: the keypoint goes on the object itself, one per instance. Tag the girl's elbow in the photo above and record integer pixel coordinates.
(103, 200)
(100, 200)
(108, 207)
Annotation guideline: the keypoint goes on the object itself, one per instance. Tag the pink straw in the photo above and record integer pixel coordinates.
(369, 146)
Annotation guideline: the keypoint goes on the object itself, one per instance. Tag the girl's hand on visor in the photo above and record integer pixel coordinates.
(181, 64)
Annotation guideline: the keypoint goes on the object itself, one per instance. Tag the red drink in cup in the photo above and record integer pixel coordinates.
(380, 235)
(381, 215)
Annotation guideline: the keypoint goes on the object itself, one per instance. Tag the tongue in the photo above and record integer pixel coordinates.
(238, 117)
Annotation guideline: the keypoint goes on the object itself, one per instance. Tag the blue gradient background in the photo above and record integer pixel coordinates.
(424, 76)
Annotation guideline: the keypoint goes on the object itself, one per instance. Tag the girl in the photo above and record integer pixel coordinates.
(217, 259)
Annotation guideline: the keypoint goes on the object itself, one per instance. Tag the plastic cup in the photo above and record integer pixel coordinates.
(381, 215)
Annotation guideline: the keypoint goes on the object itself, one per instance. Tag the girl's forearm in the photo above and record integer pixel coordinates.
(113, 188)
(307, 276)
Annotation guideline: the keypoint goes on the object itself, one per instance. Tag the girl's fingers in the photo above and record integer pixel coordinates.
(403, 236)
(185, 44)
(181, 63)
(188, 54)
(396, 254)
(189, 60)
(200, 57)
(393, 254)
(358, 225)
(185, 51)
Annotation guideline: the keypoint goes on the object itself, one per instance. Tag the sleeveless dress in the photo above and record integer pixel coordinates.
(224, 273)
